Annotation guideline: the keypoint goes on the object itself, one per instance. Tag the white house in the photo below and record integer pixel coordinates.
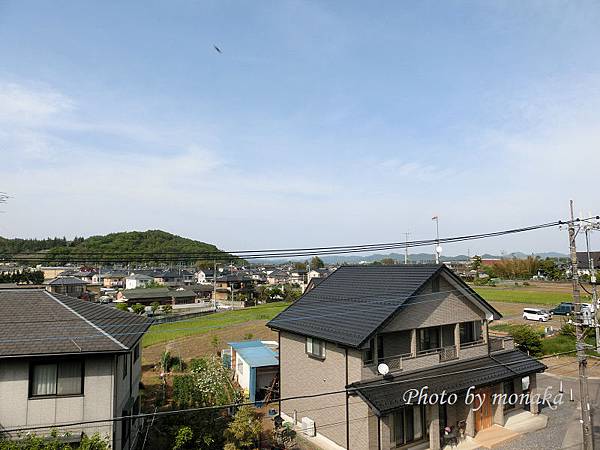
(137, 280)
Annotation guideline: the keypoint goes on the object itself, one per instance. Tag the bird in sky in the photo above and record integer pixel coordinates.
(217, 49)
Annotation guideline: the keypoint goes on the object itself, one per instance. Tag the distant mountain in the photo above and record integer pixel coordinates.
(415, 257)
(153, 242)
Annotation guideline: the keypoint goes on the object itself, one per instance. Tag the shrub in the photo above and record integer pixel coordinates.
(244, 430)
(122, 307)
(527, 339)
(155, 306)
(138, 308)
(167, 309)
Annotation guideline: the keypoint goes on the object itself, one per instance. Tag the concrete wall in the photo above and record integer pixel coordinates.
(302, 375)
(17, 409)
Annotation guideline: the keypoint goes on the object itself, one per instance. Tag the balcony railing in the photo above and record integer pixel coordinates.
(499, 343)
(448, 353)
(472, 343)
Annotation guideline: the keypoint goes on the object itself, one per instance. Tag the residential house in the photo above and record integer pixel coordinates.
(229, 285)
(277, 276)
(176, 276)
(420, 325)
(137, 280)
(255, 365)
(161, 295)
(113, 278)
(583, 262)
(67, 285)
(53, 271)
(65, 360)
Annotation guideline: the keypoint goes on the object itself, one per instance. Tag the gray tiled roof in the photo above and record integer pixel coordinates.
(36, 322)
(65, 280)
(354, 301)
(387, 394)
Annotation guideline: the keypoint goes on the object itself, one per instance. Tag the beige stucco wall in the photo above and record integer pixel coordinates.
(303, 375)
(17, 410)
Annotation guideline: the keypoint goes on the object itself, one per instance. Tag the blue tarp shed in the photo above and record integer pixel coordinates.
(256, 354)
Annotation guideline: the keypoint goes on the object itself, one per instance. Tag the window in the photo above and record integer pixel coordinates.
(315, 348)
(136, 353)
(60, 378)
(408, 425)
(429, 338)
(470, 331)
(369, 352)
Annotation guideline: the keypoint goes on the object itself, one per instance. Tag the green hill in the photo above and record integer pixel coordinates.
(134, 246)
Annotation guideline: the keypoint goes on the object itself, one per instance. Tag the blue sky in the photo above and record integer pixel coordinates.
(320, 123)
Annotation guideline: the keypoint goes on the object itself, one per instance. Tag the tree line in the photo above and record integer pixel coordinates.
(23, 276)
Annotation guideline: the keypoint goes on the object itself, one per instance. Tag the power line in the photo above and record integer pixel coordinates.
(237, 405)
(87, 256)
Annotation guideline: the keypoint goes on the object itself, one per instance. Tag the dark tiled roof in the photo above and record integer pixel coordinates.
(584, 263)
(36, 322)
(354, 301)
(65, 280)
(387, 394)
(338, 308)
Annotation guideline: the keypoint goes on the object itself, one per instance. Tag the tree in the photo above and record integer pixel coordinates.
(138, 308)
(122, 307)
(475, 263)
(300, 265)
(155, 306)
(316, 263)
(527, 339)
(244, 430)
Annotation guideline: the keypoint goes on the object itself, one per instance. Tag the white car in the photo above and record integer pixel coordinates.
(539, 315)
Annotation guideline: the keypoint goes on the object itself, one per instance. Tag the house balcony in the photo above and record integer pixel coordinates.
(500, 343)
(408, 361)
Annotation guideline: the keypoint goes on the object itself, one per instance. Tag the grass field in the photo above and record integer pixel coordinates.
(170, 331)
(522, 295)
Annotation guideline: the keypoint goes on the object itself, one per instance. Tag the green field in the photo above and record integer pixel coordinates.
(520, 295)
(168, 331)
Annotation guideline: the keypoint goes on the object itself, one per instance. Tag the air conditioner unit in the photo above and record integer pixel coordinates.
(308, 427)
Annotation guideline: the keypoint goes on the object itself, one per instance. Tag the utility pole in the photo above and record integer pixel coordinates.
(407, 234)
(438, 248)
(586, 416)
(214, 299)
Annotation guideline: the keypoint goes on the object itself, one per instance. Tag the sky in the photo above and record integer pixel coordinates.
(319, 123)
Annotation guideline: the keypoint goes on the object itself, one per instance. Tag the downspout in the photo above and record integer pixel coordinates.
(280, 391)
(378, 433)
(347, 404)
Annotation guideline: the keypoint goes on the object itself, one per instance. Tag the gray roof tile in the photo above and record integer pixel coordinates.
(36, 322)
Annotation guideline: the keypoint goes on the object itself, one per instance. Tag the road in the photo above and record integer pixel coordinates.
(564, 427)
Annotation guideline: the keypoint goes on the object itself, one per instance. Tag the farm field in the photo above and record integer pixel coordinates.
(164, 333)
(528, 295)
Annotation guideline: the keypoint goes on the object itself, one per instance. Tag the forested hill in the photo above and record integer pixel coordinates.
(153, 242)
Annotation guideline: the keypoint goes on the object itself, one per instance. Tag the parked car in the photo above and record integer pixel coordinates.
(564, 309)
(535, 314)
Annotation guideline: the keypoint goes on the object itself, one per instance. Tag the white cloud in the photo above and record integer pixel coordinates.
(29, 105)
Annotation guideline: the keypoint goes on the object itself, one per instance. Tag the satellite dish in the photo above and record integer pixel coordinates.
(383, 369)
